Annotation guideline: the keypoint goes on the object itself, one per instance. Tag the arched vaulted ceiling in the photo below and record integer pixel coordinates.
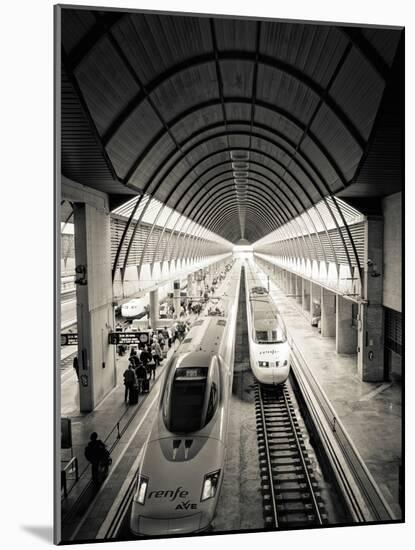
(240, 125)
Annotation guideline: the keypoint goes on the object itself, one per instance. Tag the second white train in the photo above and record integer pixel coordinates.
(269, 350)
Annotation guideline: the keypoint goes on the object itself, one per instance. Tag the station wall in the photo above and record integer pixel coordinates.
(392, 251)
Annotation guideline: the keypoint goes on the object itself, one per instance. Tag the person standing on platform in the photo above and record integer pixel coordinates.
(76, 366)
(145, 356)
(130, 380)
(141, 374)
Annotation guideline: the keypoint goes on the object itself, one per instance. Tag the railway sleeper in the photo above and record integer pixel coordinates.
(277, 452)
(286, 468)
(297, 488)
(293, 496)
(297, 520)
(286, 431)
(281, 445)
(275, 440)
(289, 460)
(295, 506)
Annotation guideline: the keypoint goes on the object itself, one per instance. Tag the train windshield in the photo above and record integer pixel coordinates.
(267, 324)
(274, 336)
(187, 399)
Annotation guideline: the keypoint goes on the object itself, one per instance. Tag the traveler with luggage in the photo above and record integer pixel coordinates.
(145, 356)
(97, 454)
(141, 374)
(130, 380)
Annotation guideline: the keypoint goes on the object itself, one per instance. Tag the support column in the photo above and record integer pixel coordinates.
(154, 308)
(299, 289)
(292, 284)
(286, 282)
(315, 301)
(176, 299)
(95, 315)
(190, 285)
(306, 295)
(346, 333)
(328, 313)
(370, 357)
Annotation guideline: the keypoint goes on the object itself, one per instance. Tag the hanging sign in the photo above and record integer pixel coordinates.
(128, 338)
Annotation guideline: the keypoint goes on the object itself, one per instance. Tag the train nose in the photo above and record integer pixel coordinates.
(168, 526)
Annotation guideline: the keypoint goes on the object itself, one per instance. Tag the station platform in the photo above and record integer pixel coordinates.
(369, 411)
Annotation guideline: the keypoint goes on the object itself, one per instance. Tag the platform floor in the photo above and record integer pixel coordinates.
(371, 412)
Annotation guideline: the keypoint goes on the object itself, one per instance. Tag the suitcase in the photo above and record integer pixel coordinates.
(133, 399)
(146, 385)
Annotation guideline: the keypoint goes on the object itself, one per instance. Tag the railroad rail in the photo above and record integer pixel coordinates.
(291, 495)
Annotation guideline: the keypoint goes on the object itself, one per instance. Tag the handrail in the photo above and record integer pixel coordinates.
(69, 464)
(372, 496)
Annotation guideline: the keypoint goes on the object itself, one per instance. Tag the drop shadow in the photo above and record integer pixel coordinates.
(42, 532)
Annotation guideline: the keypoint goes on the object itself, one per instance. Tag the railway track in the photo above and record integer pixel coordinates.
(290, 492)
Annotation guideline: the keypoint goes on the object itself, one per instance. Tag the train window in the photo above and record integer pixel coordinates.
(187, 399)
(214, 396)
(261, 336)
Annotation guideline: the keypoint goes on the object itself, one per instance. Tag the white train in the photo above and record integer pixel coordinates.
(181, 470)
(135, 308)
(269, 351)
(138, 307)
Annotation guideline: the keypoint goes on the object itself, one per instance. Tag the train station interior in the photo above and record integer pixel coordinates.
(199, 154)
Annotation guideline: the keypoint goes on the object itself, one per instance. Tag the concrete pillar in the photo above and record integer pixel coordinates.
(328, 313)
(176, 299)
(286, 282)
(370, 358)
(346, 333)
(154, 308)
(279, 277)
(299, 289)
(95, 315)
(293, 289)
(190, 289)
(315, 300)
(306, 295)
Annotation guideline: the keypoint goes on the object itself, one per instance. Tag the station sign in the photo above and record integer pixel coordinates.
(69, 339)
(128, 338)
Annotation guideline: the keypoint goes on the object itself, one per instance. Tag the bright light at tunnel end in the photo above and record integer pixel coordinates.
(243, 251)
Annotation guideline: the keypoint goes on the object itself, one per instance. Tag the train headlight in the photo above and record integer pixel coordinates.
(210, 485)
(285, 362)
(140, 494)
(263, 363)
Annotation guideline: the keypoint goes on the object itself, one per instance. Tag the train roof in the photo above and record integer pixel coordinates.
(205, 335)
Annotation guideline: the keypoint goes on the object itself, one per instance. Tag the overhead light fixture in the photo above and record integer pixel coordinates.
(240, 166)
(240, 155)
(240, 174)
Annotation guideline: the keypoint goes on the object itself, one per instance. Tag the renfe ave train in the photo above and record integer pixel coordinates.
(269, 350)
(181, 470)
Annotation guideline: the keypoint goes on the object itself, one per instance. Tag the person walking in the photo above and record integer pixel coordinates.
(96, 453)
(156, 353)
(130, 380)
(152, 369)
(168, 336)
(161, 342)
